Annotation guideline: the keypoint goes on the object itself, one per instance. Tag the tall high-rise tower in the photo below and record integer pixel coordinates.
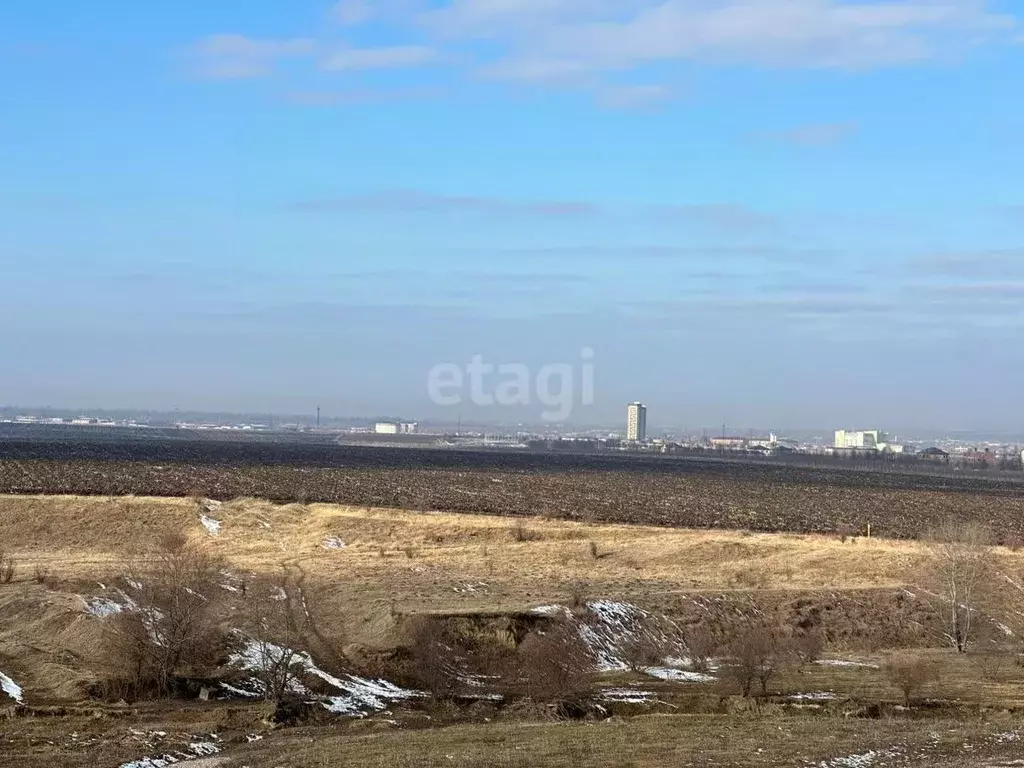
(636, 422)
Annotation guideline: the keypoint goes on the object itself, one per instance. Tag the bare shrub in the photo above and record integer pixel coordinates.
(757, 654)
(646, 649)
(552, 666)
(521, 533)
(751, 578)
(434, 651)
(277, 620)
(578, 595)
(172, 627)
(961, 571)
(701, 646)
(808, 645)
(910, 674)
(7, 568)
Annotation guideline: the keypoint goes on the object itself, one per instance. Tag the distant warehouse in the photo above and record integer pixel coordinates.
(396, 428)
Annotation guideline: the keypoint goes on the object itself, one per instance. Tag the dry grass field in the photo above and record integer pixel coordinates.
(370, 569)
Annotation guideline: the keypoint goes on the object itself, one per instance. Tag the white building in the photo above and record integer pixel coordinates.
(636, 422)
(385, 428)
(869, 438)
(408, 428)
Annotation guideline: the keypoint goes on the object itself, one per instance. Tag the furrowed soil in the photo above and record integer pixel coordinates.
(669, 491)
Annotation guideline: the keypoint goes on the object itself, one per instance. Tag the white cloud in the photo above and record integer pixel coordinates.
(378, 58)
(236, 56)
(815, 134)
(578, 43)
(633, 96)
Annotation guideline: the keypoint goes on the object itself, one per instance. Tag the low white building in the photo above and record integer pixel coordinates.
(868, 438)
(385, 428)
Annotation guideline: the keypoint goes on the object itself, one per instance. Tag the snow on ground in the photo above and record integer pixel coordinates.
(212, 526)
(627, 695)
(845, 663)
(814, 696)
(11, 688)
(678, 675)
(334, 543)
(358, 695)
(608, 626)
(101, 607)
(196, 750)
(863, 760)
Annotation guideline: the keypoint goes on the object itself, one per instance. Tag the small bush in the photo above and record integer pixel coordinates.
(910, 674)
(7, 568)
(521, 533)
(701, 645)
(751, 578)
(644, 650)
(42, 575)
(553, 666)
(807, 646)
(595, 553)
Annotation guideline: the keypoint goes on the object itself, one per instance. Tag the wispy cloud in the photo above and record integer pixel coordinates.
(235, 57)
(633, 96)
(357, 96)
(410, 200)
(588, 43)
(389, 57)
(815, 134)
(232, 57)
(722, 218)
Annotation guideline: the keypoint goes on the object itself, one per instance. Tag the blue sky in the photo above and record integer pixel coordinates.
(773, 213)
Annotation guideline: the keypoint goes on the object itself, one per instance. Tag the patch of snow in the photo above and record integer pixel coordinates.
(1003, 628)
(814, 696)
(549, 610)
(102, 607)
(203, 748)
(334, 543)
(11, 688)
(627, 696)
(357, 694)
(212, 526)
(212, 504)
(1006, 737)
(472, 588)
(845, 663)
(239, 691)
(678, 675)
(863, 760)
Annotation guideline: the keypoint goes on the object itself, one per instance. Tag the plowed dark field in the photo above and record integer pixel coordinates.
(695, 493)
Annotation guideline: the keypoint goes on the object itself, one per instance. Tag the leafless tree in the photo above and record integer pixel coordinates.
(437, 656)
(701, 645)
(170, 626)
(757, 654)
(277, 622)
(552, 666)
(961, 572)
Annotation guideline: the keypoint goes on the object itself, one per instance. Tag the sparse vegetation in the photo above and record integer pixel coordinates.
(171, 626)
(910, 674)
(7, 568)
(756, 654)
